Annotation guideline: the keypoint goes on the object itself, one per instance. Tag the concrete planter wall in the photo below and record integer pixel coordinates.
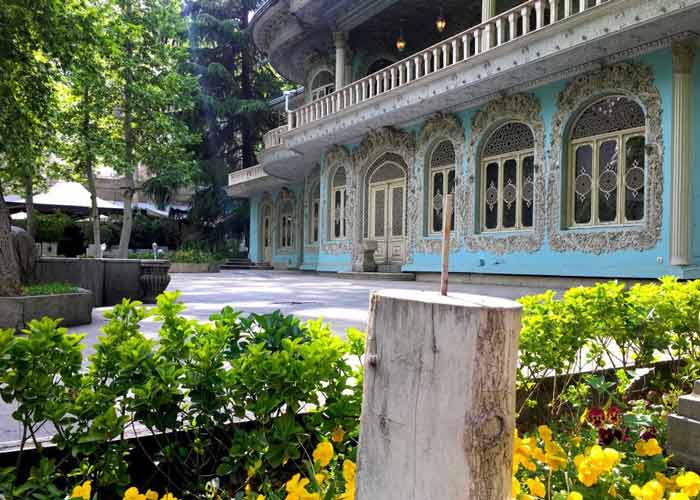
(74, 308)
(188, 267)
(110, 280)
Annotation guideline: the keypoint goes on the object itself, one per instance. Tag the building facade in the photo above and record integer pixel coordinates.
(568, 132)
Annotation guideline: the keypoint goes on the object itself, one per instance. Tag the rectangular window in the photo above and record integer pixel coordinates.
(338, 214)
(507, 192)
(441, 181)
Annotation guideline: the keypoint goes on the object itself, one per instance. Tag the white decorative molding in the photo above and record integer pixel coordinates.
(681, 159)
(637, 82)
(437, 129)
(521, 108)
(335, 158)
(376, 146)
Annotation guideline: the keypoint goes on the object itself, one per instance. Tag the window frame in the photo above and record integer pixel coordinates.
(519, 157)
(334, 215)
(286, 234)
(317, 93)
(621, 136)
(445, 171)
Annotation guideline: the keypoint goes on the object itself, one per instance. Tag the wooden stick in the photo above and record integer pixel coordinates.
(446, 230)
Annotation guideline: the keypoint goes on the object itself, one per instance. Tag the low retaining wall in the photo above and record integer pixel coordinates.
(74, 308)
(188, 267)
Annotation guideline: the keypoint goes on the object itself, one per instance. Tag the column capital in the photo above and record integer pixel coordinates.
(340, 39)
(682, 53)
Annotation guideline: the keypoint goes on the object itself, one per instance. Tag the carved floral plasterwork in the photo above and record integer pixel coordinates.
(337, 157)
(376, 144)
(522, 108)
(633, 80)
(437, 129)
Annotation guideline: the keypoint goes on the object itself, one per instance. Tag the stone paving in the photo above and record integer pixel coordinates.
(343, 303)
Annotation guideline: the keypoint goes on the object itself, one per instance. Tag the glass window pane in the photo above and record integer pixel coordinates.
(437, 201)
(342, 215)
(379, 213)
(634, 179)
(583, 183)
(491, 196)
(607, 180)
(510, 193)
(315, 235)
(336, 213)
(528, 191)
(451, 190)
(397, 211)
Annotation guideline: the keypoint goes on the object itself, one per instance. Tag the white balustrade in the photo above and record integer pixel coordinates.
(245, 175)
(520, 21)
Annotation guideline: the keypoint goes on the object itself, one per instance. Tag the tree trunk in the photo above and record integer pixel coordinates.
(90, 171)
(129, 188)
(29, 205)
(9, 267)
(247, 139)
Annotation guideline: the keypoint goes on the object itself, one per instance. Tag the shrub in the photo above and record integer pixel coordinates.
(236, 399)
(49, 289)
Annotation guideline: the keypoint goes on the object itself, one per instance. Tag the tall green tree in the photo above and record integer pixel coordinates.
(232, 113)
(37, 40)
(154, 95)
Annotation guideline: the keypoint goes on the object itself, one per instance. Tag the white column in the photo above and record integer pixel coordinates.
(681, 156)
(341, 47)
(488, 10)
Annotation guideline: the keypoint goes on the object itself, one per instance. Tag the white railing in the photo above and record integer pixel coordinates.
(245, 175)
(276, 137)
(516, 23)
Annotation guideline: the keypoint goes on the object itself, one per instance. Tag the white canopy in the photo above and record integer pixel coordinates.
(66, 194)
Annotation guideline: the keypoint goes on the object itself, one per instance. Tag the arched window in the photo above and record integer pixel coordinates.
(314, 213)
(338, 203)
(507, 178)
(607, 163)
(322, 85)
(287, 225)
(442, 180)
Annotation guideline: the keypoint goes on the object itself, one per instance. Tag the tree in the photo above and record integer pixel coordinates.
(37, 39)
(232, 112)
(154, 95)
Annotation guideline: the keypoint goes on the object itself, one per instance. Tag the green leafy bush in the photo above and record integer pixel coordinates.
(194, 256)
(235, 399)
(49, 289)
(608, 325)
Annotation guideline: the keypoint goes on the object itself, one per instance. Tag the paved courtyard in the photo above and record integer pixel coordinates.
(341, 302)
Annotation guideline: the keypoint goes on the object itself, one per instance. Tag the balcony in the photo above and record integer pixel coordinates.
(536, 42)
(243, 183)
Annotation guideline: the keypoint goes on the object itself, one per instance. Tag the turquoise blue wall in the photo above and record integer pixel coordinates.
(629, 263)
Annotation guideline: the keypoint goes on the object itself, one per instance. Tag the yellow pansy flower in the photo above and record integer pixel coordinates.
(516, 487)
(575, 495)
(152, 495)
(168, 496)
(82, 491)
(689, 483)
(338, 435)
(349, 470)
(612, 491)
(545, 433)
(521, 454)
(536, 487)
(678, 496)
(133, 494)
(323, 453)
(653, 490)
(649, 448)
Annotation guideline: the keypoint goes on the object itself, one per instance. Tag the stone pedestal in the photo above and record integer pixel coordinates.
(438, 411)
(684, 431)
(154, 279)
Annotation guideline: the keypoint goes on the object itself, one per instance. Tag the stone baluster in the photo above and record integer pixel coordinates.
(513, 25)
(539, 14)
(525, 15)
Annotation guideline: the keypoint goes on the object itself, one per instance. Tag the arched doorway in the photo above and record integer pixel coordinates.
(266, 235)
(386, 212)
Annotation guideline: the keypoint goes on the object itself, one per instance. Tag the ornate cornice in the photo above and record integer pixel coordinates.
(522, 108)
(637, 82)
(438, 128)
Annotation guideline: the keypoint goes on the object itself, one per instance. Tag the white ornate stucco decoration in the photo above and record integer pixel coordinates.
(637, 82)
(377, 145)
(521, 108)
(437, 129)
(337, 157)
(311, 183)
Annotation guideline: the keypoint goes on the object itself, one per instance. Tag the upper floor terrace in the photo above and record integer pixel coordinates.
(517, 48)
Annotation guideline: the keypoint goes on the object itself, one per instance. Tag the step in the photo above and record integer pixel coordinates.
(378, 276)
(233, 267)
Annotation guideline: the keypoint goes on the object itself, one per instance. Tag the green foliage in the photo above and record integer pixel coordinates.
(52, 227)
(237, 398)
(49, 289)
(194, 256)
(608, 326)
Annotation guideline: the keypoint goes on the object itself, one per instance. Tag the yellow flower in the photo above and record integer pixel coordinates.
(521, 454)
(594, 463)
(575, 495)
(349, 469)
(612, 491)
(555, 456)
(323, 453)
(669, 483)
(576, 441)
(296, 489)
(536, 487)
(545, 433)
(152, 495)
(678, 496)
(83, 491)
(260, 497)
(653, 490)
(639, 467)
(338, 435)
(689, 483)
(648, 448)
(168, 496)
(320, 477)
(516, 487)
(133, 494)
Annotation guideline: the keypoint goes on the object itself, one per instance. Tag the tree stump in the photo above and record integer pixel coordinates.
(438, 411)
